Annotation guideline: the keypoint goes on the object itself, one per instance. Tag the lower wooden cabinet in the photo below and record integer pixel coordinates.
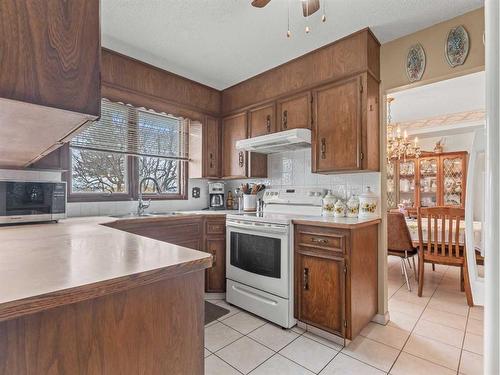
(200, 232)
(336, 276)
(215, 243)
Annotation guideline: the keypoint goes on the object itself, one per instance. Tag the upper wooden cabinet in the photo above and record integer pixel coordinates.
(345, 131)
(295, 111)
(234, 128)
(211, 148)
(50, 56)
(262, 120)
(50, 53)
(205, 149)
(238, 163)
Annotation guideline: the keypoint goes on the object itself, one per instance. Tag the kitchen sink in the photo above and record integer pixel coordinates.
(132, 215)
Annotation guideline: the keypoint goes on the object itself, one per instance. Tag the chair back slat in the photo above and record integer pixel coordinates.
(441, 220)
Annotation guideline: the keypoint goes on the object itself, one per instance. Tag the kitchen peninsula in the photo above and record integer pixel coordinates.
(82, 298)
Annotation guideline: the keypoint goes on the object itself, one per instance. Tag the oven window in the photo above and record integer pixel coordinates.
(257, 254)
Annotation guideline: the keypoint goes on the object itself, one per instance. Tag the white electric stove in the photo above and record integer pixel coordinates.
(259, 253)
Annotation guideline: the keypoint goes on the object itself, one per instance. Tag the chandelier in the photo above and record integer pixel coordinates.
(399, 146)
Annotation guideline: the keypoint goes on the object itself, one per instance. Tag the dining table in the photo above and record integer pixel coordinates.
(412, 224)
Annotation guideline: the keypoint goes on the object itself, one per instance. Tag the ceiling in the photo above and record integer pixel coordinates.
(223, 42)
(456, 95)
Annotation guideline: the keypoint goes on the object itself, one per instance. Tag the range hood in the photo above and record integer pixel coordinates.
(277, 142)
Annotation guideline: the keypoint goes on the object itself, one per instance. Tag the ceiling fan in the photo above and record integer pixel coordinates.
(308, 6)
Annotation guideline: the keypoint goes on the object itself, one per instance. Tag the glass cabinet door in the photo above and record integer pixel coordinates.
(453, 174)
(407, 172)
(428, 176)
(391, 182)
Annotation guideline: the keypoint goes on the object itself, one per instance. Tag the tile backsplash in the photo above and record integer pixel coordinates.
(293, 169)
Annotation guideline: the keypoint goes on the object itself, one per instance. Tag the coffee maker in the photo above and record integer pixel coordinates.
(216, 195)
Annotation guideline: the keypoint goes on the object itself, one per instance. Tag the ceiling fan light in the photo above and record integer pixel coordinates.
(288, 34)
(307, 29)
(323, 18)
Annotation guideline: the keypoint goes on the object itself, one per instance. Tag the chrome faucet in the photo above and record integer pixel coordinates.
(142, 205)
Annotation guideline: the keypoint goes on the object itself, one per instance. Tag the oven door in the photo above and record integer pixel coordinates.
(257, 255)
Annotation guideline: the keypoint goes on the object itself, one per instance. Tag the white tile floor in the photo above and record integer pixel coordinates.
(435, 334)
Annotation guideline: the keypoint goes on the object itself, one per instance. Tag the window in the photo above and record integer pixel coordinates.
(112, 155)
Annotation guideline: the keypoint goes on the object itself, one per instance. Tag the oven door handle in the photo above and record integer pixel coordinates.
(258, 227)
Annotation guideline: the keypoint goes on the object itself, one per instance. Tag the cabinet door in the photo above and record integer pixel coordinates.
(336, 144)
(211, 142)
(261, 120)
(216, 276)
(428, 182)
(234, 128)
(321, 292)
(453, 179)
(50, 53)
(295, 111)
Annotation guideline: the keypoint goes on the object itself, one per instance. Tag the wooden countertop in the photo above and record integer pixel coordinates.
(48, 265)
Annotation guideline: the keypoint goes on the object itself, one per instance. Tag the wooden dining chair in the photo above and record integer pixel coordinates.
(399, 243)
(441, 244)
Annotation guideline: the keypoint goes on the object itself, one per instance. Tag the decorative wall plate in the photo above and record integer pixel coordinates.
(415, 62)
(457, 46)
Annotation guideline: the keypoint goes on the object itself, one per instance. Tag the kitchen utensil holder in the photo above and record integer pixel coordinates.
(249, 202)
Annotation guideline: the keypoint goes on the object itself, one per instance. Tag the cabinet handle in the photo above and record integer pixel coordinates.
(268, 123)
(211, 164)
(241, 159)
(285, 119)
(306, 278)
(214, 262)
(323, 148)
(319, 240)
(211, 156)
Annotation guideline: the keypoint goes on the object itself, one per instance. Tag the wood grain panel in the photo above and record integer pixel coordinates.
(211, 147)
(342, 58)
(216, 276)
(262, 120)
(154, 329)
(322, 283)
(234, 128)
(362, 286)
(336, 128)
(50, 53)
(295, 111)
(127, 74)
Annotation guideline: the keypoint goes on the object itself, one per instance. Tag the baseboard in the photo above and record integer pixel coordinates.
(382, 318)
(209, 296)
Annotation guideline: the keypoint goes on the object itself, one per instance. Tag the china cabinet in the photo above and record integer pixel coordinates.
(431, 180)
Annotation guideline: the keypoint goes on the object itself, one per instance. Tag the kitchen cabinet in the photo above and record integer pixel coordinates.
(335, 271)
(204, 148)
(50, 57)
(234, 128)
(215, 230)
(262, 120)
(295, 111)
(434, 179)
(200, 232)
(238, 163)
(345, 129)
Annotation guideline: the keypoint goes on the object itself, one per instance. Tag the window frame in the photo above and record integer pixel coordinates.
(132, 183)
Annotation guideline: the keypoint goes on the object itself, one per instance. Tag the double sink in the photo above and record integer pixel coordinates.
(132, 215)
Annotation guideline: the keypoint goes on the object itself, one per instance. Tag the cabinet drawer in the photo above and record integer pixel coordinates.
(216, 227)
(321, 238)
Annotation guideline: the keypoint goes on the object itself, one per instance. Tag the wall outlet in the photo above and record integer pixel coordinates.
(195, 192)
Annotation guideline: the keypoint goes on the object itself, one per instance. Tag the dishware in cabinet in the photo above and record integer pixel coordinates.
(454, 173)
(428, 169)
